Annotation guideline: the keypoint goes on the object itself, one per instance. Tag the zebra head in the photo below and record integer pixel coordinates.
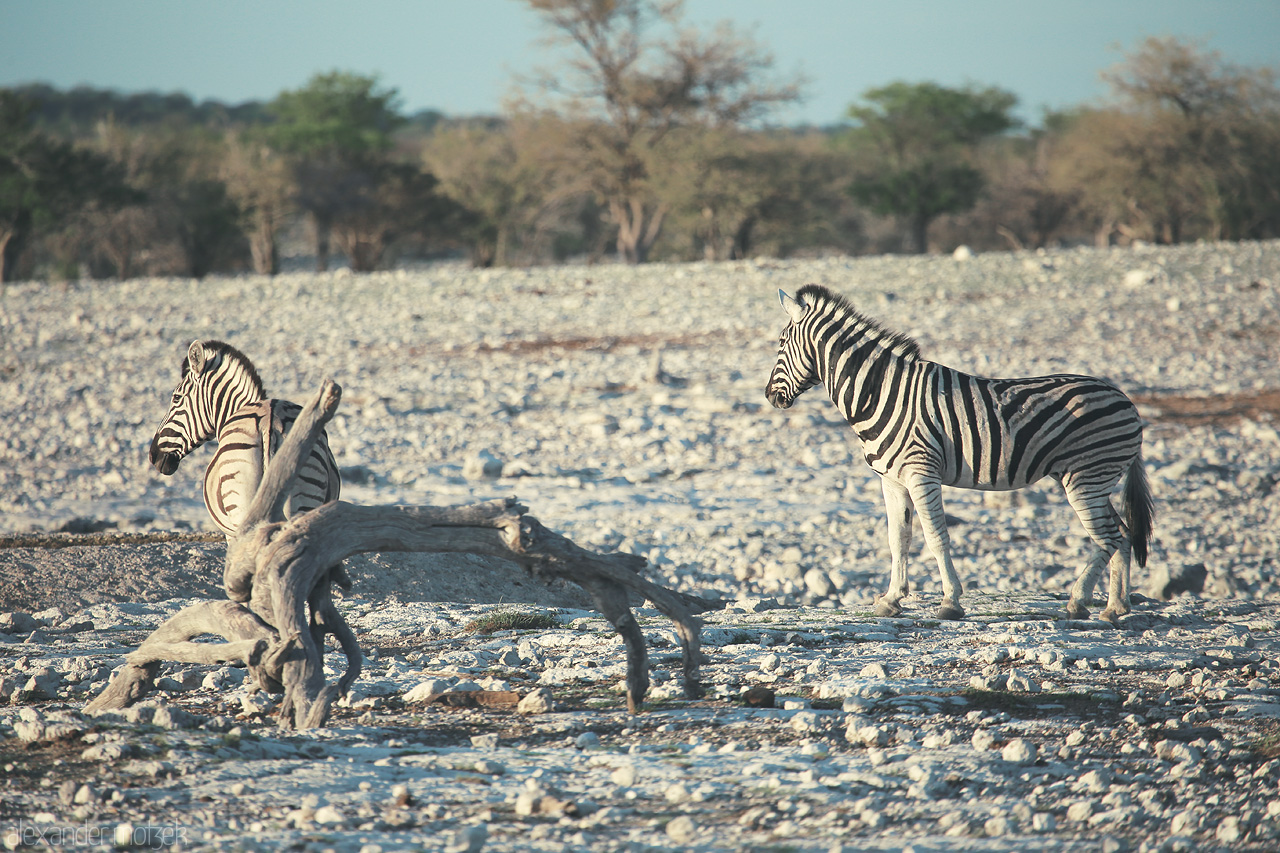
(796, 370)
(216, 380)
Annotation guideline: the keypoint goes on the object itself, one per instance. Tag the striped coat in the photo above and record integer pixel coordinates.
(923, 425)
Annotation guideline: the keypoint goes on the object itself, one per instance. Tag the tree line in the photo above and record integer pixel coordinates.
(649, 142)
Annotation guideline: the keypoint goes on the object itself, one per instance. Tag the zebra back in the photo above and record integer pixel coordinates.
(247, 443)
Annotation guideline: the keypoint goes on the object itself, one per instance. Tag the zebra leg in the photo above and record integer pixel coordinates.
(1102, 523)
(927, 495)
(1086, 580)
(1118, 587)
(897, 504)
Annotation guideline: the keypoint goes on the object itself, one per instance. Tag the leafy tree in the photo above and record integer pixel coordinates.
(394, 201)
(122, 241)
(714, 189)
(629, 94)
(918, 141)
(337, 113)
(43, 181)
(76, 113)
(337, 129)
(807, 206)
(205, 225)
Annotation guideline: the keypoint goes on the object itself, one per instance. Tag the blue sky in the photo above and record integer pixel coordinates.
(460, 56)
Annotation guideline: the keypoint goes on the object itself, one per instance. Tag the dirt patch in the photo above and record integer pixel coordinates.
(1216, 409)
(72, 572)
(69, 540)
(571, 343)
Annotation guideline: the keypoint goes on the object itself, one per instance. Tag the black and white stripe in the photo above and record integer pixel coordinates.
(923, 426)
(220, 396)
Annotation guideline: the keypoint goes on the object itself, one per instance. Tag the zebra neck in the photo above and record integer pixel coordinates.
(232, 409)
(859, 370)
(234, 387)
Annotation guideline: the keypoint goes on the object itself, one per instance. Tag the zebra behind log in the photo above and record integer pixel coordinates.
(220, 396)
(922, 426)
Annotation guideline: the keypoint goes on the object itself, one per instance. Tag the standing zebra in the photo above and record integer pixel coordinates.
(923, 425)
(220, 396)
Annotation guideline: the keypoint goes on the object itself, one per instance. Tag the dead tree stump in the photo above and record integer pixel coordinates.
(279, 577)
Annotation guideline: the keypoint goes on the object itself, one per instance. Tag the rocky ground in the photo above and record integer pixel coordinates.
(625, 407)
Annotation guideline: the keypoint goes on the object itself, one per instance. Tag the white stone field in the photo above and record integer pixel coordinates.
(625, 407)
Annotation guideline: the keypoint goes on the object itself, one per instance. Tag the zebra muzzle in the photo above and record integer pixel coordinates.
(165, 463)
(778, 398)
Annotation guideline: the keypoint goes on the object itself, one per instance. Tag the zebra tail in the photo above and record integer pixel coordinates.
(1139, 509)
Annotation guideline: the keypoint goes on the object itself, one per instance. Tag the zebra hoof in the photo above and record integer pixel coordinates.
(1076, 610)
(887, 609)
(950, 611)
(1112, 616)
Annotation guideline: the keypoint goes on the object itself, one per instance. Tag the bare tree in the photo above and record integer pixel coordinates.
(629, 92)
(259, 180)
(1186, 152)
(509, 177)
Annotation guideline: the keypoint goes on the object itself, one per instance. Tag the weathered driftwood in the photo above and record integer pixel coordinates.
(279, 576)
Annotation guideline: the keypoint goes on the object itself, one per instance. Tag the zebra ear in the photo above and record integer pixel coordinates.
(195, 357)
(794, 307)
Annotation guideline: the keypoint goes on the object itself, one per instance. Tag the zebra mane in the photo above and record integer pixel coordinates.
(896, 342)
(229, 353)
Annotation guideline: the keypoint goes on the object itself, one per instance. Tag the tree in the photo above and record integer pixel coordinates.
(807, 205)
(394, 201)
(122, 240)
(43, 181)
(714, 188)
(918, 142)
(75, 114)
(336, 129)
(204, 223)
(730, 190)
(1020, 206)
(629, 94)
(1193, 155)
(182, 220)
(516, 189)
(259, 181)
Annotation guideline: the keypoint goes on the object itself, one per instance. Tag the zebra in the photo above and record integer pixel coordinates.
(922, 425)
(220, 396)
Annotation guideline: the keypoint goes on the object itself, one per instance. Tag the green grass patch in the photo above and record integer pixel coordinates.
(1267, 746)
(511, 620)
(834, 704)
